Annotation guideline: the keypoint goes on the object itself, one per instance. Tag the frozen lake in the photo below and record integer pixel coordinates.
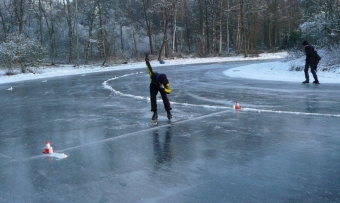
(282, 146)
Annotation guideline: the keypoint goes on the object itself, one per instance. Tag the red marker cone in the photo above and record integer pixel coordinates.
(237, 106)
(48, 148)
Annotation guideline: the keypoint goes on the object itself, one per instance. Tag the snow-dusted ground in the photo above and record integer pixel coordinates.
(277, 71)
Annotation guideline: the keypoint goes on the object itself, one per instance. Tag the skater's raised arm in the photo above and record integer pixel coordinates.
(148, 66)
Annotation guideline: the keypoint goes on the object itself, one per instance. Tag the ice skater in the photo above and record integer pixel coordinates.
(310, 62)
(159, 83)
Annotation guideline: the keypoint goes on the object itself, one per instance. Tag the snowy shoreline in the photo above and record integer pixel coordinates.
(277, 71)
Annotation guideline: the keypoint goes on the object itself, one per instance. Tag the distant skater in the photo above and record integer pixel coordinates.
(159, 83)
(310, 62)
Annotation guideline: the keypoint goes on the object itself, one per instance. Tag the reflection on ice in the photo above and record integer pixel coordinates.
(163, 152)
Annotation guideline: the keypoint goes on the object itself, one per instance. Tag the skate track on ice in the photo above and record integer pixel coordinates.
(114, 91)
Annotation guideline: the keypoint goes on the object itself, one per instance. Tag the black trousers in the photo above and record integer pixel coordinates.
(312, 68)
(154, 89)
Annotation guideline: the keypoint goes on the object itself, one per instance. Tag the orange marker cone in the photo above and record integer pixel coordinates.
(48, 148)
(237, 106)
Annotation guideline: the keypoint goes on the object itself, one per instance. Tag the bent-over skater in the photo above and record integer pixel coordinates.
(159, 83)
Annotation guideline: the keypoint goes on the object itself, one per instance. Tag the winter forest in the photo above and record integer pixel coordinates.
(35, 32)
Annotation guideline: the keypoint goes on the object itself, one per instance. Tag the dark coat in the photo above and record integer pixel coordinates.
(157, 78)
(310, 55)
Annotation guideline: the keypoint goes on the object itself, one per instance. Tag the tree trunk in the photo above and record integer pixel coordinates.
(53, 44)
(19, 6)
(228, 33)
(207, 27)
(243, 28)
(202, 24)
(174, 28)
(165, 38)
(102, 45)
(238, 34)
(88, 46)
(121, 38)
(91, 20)
(174, 50)
(148, 25)
(214, 33)
(269, 37)
(3, 26)
(221, 32)
(40, 24)
(135, 53)
(67, 6)
(19, 14)
(187, 34)
(51, 32)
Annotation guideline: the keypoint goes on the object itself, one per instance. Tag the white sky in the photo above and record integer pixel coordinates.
(276, 71)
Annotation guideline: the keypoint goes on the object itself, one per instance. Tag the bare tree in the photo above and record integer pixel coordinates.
(134, 38)
(37, 8)
(177, 9)
(202, 26)
(68, 17)
(164, 9)
(102, 44)
(199, 27)
(90, 15)
(146, 7)
(165, 33)
(243, 28)
(221, 26)
(19, 10)
(49, 20)
(322, 21)
(4, 14)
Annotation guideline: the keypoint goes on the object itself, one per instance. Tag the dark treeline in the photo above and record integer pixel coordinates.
(87, 31)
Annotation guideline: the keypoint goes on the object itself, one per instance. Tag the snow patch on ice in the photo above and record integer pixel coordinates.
(58, 155)
(279, 71)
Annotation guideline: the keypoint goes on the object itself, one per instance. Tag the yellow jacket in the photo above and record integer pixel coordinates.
(153, 77)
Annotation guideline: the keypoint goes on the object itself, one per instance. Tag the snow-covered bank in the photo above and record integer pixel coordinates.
(266, 71)
(280, 71)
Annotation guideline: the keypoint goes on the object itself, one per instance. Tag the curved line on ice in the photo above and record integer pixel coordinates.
(106, 86)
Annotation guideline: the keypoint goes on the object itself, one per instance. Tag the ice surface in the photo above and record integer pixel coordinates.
(281, 146)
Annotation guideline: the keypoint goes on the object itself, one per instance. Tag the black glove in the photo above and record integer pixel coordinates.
(147, 57)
